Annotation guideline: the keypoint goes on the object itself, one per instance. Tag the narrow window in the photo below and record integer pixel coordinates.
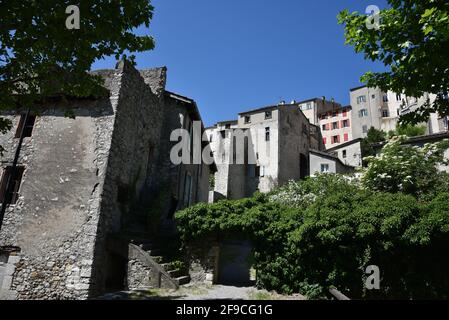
(334, 125)
(267, 134)
(385, 113)
(344, 154)
(324, 167)
(16, 179)
(346, 137)
(324, 127)
(324, 140)
(385, 98)
(27, 126)
(257, 171)
(210, 137)
(365, 129)
(335, 139)
(247, 119)
(268, 114)
(223, 134)
(228, 126)
(398, 97)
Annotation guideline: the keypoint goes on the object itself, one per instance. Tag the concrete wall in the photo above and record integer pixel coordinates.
(316, 160)
(353, 152)
(293, 141)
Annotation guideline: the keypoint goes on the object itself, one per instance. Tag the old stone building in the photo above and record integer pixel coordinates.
(262, 149)
(107, 171)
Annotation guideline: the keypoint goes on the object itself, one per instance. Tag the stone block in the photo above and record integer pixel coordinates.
(6, 283)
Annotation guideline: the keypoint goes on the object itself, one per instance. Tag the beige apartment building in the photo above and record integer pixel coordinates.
(262, 149)
(374, 108)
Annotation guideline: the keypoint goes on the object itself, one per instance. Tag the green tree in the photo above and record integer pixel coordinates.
(405, 168)
(40, 57)
(373, 136)
(413, 42)
(410, 130)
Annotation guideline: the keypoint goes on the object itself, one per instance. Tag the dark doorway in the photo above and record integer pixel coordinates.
(303, 166)
(235, 263)
(116, 272)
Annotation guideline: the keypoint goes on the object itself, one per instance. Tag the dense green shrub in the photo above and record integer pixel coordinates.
(329, 232)
(405, 168)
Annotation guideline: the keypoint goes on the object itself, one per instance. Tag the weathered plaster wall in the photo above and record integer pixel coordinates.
(55, 219)
(293, 141)
(69, 197)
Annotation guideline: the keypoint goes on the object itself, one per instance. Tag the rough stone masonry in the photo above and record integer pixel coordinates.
(80, 178)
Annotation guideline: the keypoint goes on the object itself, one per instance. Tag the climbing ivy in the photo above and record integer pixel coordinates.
(328, 239)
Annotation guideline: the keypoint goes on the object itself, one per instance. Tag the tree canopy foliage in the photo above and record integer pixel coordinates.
(413, 42)
(40, 57)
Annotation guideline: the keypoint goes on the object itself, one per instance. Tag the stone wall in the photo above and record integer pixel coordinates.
(69, 195)
(138, 276)
(203, 262)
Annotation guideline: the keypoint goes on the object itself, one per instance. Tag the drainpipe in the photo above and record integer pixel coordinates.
(7, 197)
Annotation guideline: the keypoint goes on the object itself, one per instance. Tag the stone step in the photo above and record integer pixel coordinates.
(175, 273)
(182, 280)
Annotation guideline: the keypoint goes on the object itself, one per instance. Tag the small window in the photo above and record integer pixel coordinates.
(334, 125)
(324, 167)
(363, 113)
(385, 113)
(346, 137)
(308, 106)
(344, 154)
(385, 98)
(335, 139)
(27, 125)
(223, 134)
(361, 99)
(373, 96)
(365, 129)
(268, 115)
(267, 134)
(345, 123)
(324, 140)
(211, 137)
(247, 119)
(324, 127)
(398, 97)
(15, 180)
(257, 171)
(334, 114)
(228, 126)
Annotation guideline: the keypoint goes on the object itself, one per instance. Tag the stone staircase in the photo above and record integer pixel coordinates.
(153, 254)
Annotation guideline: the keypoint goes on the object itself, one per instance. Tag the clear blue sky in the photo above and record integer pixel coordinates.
(234, 55)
